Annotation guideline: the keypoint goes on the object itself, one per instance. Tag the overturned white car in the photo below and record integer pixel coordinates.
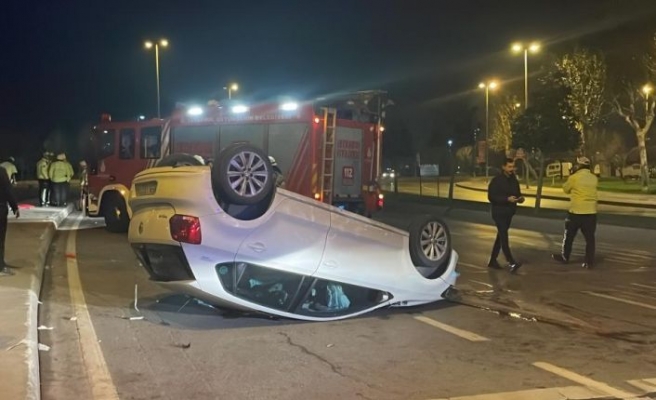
(228, 236)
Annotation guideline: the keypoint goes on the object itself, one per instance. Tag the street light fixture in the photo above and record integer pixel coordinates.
(647, 89)
(533, 48)
(233, 87)
(487, 86)
(149, 45)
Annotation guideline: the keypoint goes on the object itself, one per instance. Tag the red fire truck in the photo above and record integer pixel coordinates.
(323, 151)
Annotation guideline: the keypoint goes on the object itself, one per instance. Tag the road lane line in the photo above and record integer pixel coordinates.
(555, 393)
(621, 300)
(472, 337)
(464, 264)
(648, 385)
(583, 380)
(100, 380)
(644, 286)
(481, 283)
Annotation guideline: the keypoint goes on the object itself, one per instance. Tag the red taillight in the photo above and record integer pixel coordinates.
(185, 229)
(381, 201)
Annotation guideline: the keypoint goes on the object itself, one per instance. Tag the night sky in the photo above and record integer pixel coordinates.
(63, 63)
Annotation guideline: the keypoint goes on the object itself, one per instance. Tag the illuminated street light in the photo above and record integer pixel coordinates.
(487, 86)
(647, 89)
(233, 87)
(533, 48)
(149, 45)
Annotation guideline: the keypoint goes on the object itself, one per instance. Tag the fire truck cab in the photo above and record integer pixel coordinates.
(324, 152)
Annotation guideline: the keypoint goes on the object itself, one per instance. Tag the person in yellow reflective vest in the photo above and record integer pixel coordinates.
(582, 188)
(60, 173)
(11, 170)
(43, 178)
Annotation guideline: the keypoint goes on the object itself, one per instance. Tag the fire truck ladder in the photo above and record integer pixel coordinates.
(328, 165)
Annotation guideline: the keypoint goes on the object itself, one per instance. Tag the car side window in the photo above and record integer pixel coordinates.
(265, 286)
(330, 298)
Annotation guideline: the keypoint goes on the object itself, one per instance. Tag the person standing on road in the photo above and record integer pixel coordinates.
(10, 168)
(582, 188)
(44, 181)
(60, 173)
(504, 194)
(7, 200)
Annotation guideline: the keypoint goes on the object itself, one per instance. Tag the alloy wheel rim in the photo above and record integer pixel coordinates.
(247, 174)
(433, 241)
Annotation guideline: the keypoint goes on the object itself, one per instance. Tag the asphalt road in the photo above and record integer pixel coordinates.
(183, 349)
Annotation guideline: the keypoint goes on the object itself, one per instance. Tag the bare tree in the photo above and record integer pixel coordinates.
(636, 107)
(584, 73)
(506, 111)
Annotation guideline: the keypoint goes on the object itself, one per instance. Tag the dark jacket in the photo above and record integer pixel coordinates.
(6, 191)
(501, 187)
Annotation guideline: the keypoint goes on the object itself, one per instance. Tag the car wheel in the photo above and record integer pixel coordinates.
(179, 160)
(243, 174)
(430, 245)
(116, 214)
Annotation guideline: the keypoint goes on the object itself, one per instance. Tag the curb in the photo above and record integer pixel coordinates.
(32, 339)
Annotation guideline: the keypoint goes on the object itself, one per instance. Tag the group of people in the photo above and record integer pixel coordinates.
(504, 194)
(54, 175)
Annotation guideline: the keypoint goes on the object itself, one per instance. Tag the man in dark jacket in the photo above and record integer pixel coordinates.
(7, 200)
(504, 194)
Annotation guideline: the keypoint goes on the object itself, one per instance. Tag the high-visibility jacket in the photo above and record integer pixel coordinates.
(582, 188)
(10, 168)
(60, 171)
(42, 169)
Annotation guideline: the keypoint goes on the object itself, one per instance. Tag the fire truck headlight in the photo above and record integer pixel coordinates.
(195, 111)
(239, 109)
(289, 106)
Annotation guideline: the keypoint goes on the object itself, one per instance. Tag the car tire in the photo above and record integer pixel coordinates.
(179, 160)
(116, 213)
(243, 174)
(430, 245)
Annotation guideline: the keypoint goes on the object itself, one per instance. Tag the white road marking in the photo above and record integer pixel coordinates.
(464, 264)
(648, 385)
(585, 381)
(621, 300)
(557, 393)
(644, 286)
(100, 380)
(472, 337)
(481, 283)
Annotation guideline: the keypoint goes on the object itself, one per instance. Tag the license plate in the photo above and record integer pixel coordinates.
(146, 188)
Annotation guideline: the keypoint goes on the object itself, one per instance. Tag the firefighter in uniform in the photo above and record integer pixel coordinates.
(43, 178)
(7, 200)
(60, 173)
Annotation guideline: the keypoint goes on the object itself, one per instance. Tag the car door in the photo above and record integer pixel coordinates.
(291, 239)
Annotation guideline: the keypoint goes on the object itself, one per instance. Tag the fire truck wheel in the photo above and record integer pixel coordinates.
(115, 213)
(179, 160)
(430, 245)
(243, 174)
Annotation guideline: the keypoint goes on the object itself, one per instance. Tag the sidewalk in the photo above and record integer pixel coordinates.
(28, 241)
(607, 198)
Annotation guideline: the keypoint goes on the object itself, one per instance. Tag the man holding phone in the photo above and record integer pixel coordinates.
(504, 194)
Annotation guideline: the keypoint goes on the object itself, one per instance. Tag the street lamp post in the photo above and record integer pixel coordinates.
(150, 45)
(230, 88)
(487, 86)
(533, 48)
